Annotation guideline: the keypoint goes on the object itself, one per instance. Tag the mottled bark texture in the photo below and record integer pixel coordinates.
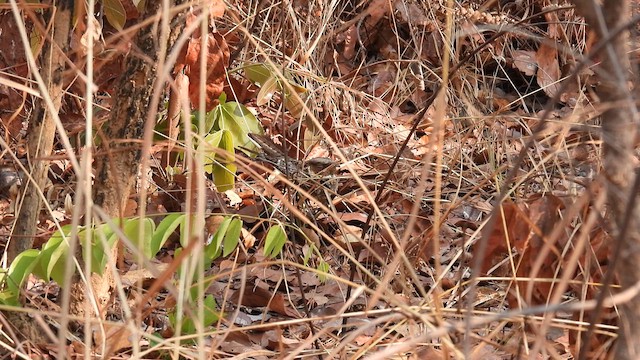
(620, 124)
(117, 168)
(41, 134)
(42, 128)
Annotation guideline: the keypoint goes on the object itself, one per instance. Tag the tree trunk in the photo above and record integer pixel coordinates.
(42, 126)
(117, 168)
(619, 128)
(40, 137)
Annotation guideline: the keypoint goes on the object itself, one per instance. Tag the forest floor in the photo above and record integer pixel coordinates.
(429, 112)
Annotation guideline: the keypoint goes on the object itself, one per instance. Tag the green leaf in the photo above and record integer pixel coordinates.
(232, 237)
(214, 248)
(221, 165)
(100, 255)
(258, 73)
(275, 240)
(307, 255)
(224, 176)
(294, 105)
(210, 119)
(131, 229)
(226, 144)
(323, 268)
(115, 13)
(176, 255)
(211, 315)
(194, 291)
(213, 141)
(184, 242)
(51, 261)
(238, 120)
(166, 227)
(19, 270)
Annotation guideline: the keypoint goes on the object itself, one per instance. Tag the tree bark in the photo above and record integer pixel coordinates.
(117, 168)
(620, 124)
(40, 137)
(42, 128)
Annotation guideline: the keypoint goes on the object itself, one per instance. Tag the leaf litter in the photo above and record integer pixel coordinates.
(385, 61)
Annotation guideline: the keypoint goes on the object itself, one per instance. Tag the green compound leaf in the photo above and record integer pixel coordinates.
(240, 122)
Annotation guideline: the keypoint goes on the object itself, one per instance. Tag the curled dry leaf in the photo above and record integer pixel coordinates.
(130, 9)
(554, 28)
(350, 39)
(526, 229)
(217, 58)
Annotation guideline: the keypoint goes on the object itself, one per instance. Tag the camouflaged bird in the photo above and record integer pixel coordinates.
(275, 155)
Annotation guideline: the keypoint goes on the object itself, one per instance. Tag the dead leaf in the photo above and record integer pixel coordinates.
(118, 337)
(255, 296)
(554, 27)
(548, 69)
(511, 228)
(217, 8)
(217, 58)
(412, 13)
(525, 61)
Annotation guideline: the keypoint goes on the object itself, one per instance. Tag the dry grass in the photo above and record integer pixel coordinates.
(440, 272)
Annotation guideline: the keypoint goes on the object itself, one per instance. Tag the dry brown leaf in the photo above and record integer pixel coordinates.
(217, 8)
(349, 38)
(254, 296)
(525, 61)
(511, 225)
(548, 69)
(217, 61)
(377, 9)
(412, 13)
(554, 27)
(118, 337)
(130, 9)
(353, 216)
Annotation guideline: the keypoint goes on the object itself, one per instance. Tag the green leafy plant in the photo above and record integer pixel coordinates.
(228, 125)
(225, 239)
(49, 262)
(15, 276)
(275, 240)
(236, 119)
(227, 128)
(188, 326)
(223, 242)
(220, 160)
(271, 83)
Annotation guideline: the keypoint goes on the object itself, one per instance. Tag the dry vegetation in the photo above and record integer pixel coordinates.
(432, 112)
